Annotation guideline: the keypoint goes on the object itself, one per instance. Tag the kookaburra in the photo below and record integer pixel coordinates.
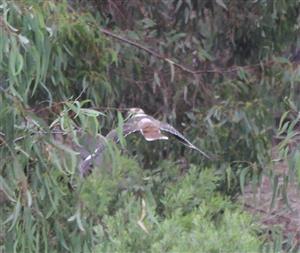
(138, 121)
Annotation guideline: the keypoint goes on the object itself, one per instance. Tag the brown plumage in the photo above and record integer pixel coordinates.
(152, 129)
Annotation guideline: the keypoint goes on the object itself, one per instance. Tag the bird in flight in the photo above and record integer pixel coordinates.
(138, 121)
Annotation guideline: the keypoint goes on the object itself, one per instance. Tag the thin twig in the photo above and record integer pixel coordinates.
(81, 93)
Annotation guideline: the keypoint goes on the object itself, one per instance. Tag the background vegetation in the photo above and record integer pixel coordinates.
(222, 72)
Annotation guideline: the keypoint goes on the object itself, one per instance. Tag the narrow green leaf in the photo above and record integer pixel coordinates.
(65, 148)
(157, 79)
(243, 179)
(172, 71)
(228, 176)
(222, 4)
(15, 215)
(78, 220)
(274, 190)
(29, 198)
(91, 112)
(7, 190)
(120, 130)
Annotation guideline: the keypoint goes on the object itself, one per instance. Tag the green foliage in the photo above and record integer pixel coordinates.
(212, 226)
(57, 67)
(196, 234)
(190, 192)
(38, 51)
(117, 174)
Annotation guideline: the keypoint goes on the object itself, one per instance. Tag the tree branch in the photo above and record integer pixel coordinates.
(150, 51)
(180, 66)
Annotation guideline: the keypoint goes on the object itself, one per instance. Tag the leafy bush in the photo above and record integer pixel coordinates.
(191, 218)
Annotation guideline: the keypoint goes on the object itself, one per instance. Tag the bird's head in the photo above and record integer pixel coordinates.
(133, 112)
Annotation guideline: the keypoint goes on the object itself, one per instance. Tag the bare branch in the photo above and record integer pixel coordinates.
(150, 51)
(180, 66)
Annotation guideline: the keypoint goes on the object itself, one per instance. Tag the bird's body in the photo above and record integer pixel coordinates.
(152, 130)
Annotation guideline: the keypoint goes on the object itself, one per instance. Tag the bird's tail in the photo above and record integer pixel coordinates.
(202, 152)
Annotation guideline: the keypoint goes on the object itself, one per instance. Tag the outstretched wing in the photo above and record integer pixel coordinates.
(85, 165)
(95, 157)
(128, 128)
(171, 130)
